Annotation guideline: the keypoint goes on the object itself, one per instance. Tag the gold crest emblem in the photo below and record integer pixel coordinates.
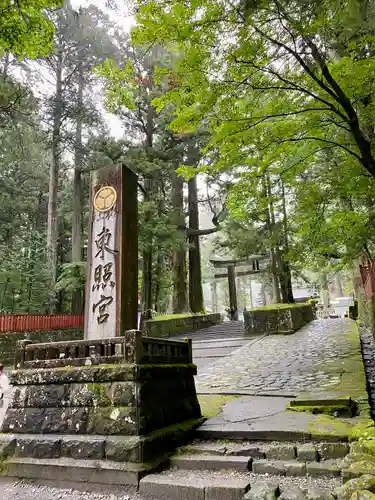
(105, 199)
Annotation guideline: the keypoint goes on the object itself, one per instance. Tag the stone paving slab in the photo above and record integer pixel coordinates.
(257, 418)
(312, 359)
(215, 352)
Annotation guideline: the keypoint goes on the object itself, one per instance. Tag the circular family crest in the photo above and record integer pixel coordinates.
(105, 199)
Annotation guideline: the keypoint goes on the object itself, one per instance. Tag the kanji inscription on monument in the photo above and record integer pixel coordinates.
(111, 288)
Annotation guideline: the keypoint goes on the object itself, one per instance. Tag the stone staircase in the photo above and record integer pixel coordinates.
(233, 470)
(225, 330)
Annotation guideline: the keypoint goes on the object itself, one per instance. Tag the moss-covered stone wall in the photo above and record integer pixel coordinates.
(278, 318)
(366, 311)
(166, 327)
(8, 341)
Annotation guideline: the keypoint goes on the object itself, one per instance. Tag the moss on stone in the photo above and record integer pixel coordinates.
(362, 467)
(363, 495)
(168, 317)
(211, 404)
(366, 482)
(324, 426)
(330, 410)
(354, 457)
(367, 446)
(363, 429)
(275, 307)
(100, 393)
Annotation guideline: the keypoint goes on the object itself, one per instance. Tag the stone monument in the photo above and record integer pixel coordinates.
(112, 274)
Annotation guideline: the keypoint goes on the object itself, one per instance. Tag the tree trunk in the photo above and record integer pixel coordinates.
(324, 293)
(284, 260)
(195, 273)
(52, 230)
(6, 64)
(147, 283)
(158, 277)
(269, 225)
(285, 278)
(338, 285)
(147, 254)
(77, 302)
(180, 296)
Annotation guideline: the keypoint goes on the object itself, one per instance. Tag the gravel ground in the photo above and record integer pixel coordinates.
(23, 490)
(368, 353)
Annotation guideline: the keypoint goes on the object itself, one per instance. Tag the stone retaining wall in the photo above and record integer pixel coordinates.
(8, 341)
(173, 326)
(284, 319)
(366, 311)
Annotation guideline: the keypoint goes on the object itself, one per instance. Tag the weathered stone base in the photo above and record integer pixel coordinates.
(116, 460)
(101, 411)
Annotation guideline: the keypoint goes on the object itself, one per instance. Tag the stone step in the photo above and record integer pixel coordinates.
(93, 473)
(289, 468)
(293, 468)
(211, 462)
(173, 485)
(202, 485)
(212, 432)
(304, 452)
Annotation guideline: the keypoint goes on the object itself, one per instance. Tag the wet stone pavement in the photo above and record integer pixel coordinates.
(280, 365)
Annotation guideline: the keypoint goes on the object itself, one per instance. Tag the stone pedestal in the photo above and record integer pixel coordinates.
(99, 412)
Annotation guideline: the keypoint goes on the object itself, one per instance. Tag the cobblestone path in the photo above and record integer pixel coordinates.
(281, 365)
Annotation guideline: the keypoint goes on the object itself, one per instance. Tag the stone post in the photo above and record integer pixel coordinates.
(112, 256)
(232, 290)
(20, 357)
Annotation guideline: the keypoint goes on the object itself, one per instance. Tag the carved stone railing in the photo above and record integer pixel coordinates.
(131, 348)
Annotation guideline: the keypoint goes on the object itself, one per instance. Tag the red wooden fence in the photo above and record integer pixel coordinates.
(368, 278)
(37, 322)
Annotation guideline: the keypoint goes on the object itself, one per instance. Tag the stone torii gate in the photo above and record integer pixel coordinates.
(255, 263)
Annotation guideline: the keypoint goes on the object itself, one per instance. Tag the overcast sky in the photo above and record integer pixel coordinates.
(120, 15)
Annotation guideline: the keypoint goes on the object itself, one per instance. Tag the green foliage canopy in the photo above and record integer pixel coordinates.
(269, 74)
(25, 29)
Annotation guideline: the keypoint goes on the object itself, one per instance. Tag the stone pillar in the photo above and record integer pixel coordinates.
(324, 292)
(214, 295)
(112, 254)
(232, 290)
(250, 292)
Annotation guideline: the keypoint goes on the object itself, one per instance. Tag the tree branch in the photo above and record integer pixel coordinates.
(201, 232)
(291, 83)
(308, 138)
